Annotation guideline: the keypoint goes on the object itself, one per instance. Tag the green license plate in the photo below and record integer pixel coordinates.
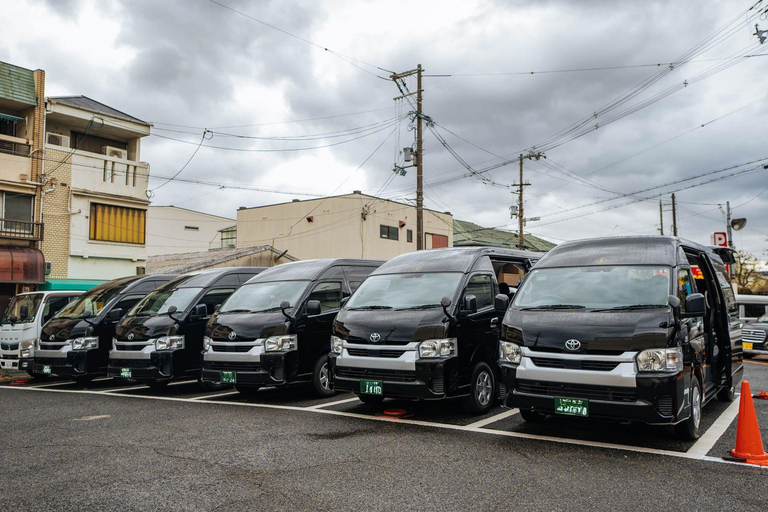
(47, 370)
(572, 406)
(126, 373)
(371, 387)
(227, 377)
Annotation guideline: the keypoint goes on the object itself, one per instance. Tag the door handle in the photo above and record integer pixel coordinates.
(494, 323)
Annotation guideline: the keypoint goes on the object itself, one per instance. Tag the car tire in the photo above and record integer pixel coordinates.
(482, 390)
(320, 378)
(84, 380)
(727, 394)
(690, 429)
(211, 386)
(247, 391)
(532, 417)
(157, 385)
(371, 399)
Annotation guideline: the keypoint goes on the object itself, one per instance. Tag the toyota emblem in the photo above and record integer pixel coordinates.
(232, 335)
(573, 345)
(375, 337)
(52, 337)
(131, 336)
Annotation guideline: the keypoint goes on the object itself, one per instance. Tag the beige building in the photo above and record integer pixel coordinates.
(348, 226)
(174, 230)
(94, 192)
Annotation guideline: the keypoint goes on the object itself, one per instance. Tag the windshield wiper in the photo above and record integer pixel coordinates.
(632, 306)
(268, 310)
(238, 311)
(423, 306)
(364, 308)
(553, 306)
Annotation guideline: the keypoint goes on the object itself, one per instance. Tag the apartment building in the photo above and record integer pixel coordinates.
(175, 230)
(94, 193)
(22, 114)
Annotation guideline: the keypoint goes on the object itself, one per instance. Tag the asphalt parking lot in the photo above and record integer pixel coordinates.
(111, 446)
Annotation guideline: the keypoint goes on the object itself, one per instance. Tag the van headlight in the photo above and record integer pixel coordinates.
(27, 348)
(660, 360)
(336, 344)
(169, 342)
(280, 343)
(206, 343)
(85, 343)
(437, 348)
(509, 353)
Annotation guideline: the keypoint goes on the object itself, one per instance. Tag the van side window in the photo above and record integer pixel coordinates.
(730, 302)
(329, 295)
(127, 303)
(481, 286)
(215, 297)
(684, 286)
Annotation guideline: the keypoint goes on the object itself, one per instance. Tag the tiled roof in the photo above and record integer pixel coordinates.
(17, 84)
(187, 262)
(469, 234)
(86, 103)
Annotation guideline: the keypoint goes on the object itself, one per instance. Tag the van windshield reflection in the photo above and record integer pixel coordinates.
(417, 290)
(264, 297)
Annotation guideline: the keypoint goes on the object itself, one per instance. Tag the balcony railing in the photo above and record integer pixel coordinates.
(21, 230)
(14, 145)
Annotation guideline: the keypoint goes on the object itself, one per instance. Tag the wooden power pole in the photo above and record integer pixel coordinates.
(661, 218)
(674, 216)
(520, 213)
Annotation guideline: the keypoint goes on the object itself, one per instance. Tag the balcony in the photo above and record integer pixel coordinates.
(14, 145)
(21, 230)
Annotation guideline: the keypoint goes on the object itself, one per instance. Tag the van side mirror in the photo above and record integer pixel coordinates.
(23, 312)
(501, 303)
(313, 307)
(470, 303)
(216, 308)
(115, 315)
(344, 301)
(695, 305)
(199, 312)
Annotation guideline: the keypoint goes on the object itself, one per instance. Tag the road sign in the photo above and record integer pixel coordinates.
(720, 239)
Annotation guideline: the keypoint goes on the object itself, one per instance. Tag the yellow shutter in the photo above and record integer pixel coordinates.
(117, 224)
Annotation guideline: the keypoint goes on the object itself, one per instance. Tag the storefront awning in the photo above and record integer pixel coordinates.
(9, 117)
(21, 265)
(70, 284)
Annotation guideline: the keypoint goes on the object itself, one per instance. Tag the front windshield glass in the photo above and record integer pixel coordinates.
(159, 301)
(31, 301)
(405, 291)
(264, 297)
(762, 320)
(599, 287)
(93, 301)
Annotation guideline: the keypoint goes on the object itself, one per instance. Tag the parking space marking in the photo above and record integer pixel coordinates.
(117, 390)
(204, 397)
(493, 419)
(422, 423)
(329, 404)
(52, 384)
(178, 383)
(756, 362)
(715, 431)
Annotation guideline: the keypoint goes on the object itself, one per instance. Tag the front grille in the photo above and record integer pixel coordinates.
(129, 347)
(556, 350)
(131, 363)
(10, 356)
(50, 361)
(611, 394)
(232, 366)
(51, 346)
(665, 405)
(363, 352)
(753, 336)
(376, 374)
(595, 366)
(367, 341)
(9, 346)
(231, 348)
(438, 384)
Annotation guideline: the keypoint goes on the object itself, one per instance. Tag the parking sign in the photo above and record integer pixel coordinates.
(720, 239)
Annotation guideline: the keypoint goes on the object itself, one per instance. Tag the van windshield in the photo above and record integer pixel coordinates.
(415, 290)
(93, 301)
(159, 301)
(598, 287)
(31, 301)
(264, 297)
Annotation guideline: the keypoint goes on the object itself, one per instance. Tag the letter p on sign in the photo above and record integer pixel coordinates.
(720, 239)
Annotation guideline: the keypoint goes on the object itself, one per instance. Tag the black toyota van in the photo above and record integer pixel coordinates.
(627, 328)
(77, 340)
(161, 338)
(276, 329)
(425, 325)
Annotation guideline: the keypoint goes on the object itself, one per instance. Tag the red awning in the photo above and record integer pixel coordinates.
(21, 265)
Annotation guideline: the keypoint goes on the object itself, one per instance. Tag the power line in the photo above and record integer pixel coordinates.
(203, 138)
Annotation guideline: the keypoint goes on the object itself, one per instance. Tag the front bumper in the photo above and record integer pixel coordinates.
(161, 365)
(9, 362)
(258, 369)
(72, 363)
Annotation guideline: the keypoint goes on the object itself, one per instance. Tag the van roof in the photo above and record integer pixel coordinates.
(637, 250)
(454, 259)
(205, 278)
(308, 270)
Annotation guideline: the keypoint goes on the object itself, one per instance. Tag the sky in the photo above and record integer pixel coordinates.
(299, 103)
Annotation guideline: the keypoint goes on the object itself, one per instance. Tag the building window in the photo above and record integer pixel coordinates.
(16, 212)
(228, 237)
(191, 228)
(409, 236)
(388, 232)
(117, 224)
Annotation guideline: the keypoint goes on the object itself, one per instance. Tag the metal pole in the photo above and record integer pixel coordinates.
(520, 213)
(728, 223)
(674, 216)
(419, 167)
(661, 218)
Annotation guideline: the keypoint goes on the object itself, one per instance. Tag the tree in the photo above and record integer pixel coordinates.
(745, 270)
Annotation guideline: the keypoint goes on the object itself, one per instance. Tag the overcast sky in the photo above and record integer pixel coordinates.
(199, 65)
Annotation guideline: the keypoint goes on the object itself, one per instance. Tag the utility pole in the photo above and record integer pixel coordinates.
(728, 223)
(520, 213)
(674, 216)
(661, 218)
(418, 154)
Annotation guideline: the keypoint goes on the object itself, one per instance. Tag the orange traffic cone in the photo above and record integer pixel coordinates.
(749, 443)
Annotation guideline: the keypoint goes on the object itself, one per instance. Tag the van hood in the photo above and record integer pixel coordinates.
(246, 326)
(144, 328)
(394, 327)
(598, 332)
(63, 329)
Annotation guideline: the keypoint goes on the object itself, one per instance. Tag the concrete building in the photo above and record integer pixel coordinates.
(94, 193)
(22, 113)
(347, 226)
(174, 230)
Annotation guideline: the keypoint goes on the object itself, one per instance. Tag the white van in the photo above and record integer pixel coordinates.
(21, 324)
(752, 307)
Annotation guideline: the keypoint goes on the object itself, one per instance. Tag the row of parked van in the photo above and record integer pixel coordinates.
(635, 328)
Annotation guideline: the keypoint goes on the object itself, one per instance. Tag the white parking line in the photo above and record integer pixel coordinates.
(52, 384)
(205, 397)
(117, 390)
(337, 402)
(445, 426)
(716, 431)
(178, 383)
(493, 419)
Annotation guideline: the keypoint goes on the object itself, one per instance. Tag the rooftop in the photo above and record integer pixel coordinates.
(470, 234)
(86, 103)
(188, 262)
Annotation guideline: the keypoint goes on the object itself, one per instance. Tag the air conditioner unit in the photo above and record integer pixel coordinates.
(56, 139)
(115, 152)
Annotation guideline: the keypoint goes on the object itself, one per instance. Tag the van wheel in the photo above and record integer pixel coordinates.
(690, 429)
(532, 417)
(247, 391)
(320, 378)
(84, 380)
(727, 394)
(482, 390)
(371, 399)
(157, 385)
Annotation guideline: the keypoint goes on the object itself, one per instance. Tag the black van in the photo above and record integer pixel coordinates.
(626, 328)
(161, 338)
(425, 325)
(76, 341)
(276, 329)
